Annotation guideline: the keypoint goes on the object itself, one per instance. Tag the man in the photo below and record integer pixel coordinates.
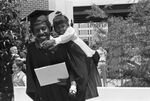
(38, 57)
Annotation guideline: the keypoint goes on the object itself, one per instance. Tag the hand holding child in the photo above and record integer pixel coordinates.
(48, 44)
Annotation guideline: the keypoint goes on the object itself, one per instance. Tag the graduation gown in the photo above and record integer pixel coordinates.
(83, 63)
(77, 69)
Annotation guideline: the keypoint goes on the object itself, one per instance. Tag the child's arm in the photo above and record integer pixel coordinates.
(73, 83)
(66, 37)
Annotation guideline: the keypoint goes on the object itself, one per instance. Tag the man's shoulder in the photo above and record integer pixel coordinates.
(31, 47)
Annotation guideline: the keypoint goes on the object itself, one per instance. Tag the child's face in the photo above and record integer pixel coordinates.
(14, 50)
(61, 28)
(15, 68)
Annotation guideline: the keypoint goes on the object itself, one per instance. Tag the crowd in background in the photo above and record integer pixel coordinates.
(18, 67)
(12, 72)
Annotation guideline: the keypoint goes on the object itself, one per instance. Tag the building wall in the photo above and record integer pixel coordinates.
(87, 31)
(84, 30)
(30, 5)
(65, 6)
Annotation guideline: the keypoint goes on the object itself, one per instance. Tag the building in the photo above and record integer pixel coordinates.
(82, 23)
(65, 6)
(118, 7)
(75, 11)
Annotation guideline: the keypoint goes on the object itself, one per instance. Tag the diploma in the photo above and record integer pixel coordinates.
(50, 74)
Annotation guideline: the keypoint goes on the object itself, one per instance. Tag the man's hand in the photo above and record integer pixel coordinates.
(48, 44)
(63, 81)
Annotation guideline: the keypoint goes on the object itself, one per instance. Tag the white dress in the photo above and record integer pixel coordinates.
(71, 35)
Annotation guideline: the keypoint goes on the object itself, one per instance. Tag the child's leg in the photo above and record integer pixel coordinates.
(96, 58)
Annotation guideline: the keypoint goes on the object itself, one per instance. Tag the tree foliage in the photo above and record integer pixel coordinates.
(12, 30)
(126, 38)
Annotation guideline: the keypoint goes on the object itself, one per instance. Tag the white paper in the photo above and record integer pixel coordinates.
(50, 74)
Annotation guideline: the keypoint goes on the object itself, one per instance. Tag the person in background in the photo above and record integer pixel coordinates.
(15, 54)
(102, 65)
(23, 52)
(68, 34)
(18, 76)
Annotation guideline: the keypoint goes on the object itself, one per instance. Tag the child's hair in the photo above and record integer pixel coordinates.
(60, 19)
(19, 63)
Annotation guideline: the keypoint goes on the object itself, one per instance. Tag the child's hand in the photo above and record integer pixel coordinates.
(48, 44)
(73, 90)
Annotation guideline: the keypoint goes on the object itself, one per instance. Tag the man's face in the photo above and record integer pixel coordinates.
(61, 28)
(41, 32)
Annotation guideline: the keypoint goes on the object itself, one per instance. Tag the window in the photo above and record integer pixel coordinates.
(83, 32)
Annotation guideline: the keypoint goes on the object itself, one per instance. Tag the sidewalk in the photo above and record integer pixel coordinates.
(105, 94)
(122, 94)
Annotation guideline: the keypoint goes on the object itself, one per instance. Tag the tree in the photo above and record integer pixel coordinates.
(126, 38)
(11, 27)
(11, 33)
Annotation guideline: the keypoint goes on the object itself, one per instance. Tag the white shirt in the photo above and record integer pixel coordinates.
(102, 53)
(19, 79)
(71, 35)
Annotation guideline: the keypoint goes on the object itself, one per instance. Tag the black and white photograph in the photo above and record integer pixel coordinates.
(74, 50)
